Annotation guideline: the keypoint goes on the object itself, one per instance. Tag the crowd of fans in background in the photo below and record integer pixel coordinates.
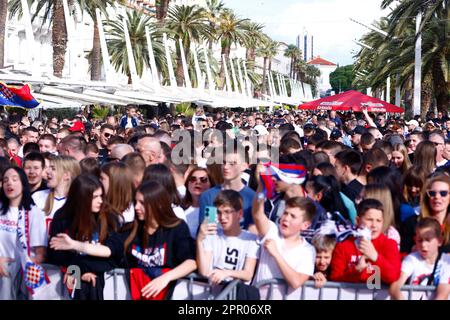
(105, 194)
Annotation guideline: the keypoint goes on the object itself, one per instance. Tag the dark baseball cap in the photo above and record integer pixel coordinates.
(359, 130)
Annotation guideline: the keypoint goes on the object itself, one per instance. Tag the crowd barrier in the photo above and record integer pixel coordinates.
(196, 287)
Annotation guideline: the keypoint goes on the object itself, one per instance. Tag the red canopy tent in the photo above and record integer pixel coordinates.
(351, 100)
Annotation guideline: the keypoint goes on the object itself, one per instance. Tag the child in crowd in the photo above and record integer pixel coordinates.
(324, 245)
(420, 266)
(230, 252)
(285, 253)
(353, 258)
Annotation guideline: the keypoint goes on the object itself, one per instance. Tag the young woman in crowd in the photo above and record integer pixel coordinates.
(85, 221)
(383, 194)
(413, 180)
(159, 246)
(117, 181)
(400, 159)
(197, 182)
(162, 174)
(425, 157)
(434, 203)
(22, 229)
(60, 174)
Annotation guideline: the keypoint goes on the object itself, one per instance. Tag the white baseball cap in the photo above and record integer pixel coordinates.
(260, 130)
(412, 122)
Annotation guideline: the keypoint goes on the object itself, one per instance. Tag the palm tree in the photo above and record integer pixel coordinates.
(189, 24)
(213, 10)
(213, 64)
(54, 12)
(162, 7)
(3, 17)
(136, 22)
(255, 37)
(294, 54)
(90, 7)
(268, 51)
(230, 31)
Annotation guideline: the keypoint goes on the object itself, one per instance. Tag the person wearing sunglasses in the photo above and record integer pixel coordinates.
(197, 182)
(106, 132)
(435, 203)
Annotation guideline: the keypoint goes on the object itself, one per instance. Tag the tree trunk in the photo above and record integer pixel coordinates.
(441, 87)
(162, 6)
(59, 39)
(263, 88)
(426, 95)
(96, 57)
(3, 17)
(225, 52)
(210, 41)
(179, 72)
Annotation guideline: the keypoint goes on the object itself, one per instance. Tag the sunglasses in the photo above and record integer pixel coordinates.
(433, 194)
(107, 135)
(202, 179)
(437, 144)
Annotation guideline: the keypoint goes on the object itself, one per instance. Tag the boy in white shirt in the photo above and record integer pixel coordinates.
(420, 265)
(443, 289)
(285, 253)
(230, 252)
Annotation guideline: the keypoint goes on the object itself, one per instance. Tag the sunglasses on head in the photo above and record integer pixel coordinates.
(433, 194)
(202, 179)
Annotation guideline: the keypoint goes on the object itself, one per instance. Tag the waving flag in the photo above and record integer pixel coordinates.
(289, 173)
(18, 97)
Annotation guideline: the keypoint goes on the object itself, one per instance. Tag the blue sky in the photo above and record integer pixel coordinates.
(327, 20)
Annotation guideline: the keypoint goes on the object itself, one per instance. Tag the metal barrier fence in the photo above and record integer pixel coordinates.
(196, 287)
(277, 289)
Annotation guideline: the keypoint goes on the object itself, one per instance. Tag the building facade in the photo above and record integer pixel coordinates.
(326, 68)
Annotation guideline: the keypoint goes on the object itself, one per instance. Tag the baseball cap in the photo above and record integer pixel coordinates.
(260, 130)
(77, 126)
(335, 134)
(412, 122)
(359, 130)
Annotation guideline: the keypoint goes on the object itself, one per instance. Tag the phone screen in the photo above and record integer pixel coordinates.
(211, 214)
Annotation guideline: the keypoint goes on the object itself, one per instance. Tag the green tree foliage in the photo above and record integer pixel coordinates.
(342, 78)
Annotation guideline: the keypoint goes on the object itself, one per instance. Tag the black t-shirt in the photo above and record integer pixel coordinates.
(166, 248)
(353, 189)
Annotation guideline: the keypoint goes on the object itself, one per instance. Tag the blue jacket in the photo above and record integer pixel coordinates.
(124, 120)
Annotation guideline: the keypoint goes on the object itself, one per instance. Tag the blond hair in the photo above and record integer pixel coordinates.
(63, 164)
(382, 193)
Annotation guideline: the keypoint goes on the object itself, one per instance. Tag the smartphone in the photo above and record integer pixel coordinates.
(211, 214)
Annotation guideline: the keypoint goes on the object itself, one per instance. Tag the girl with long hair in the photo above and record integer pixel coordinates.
(413, 180)
(85, 221)
(162, 174)
(400, 159)
(434, 203)
(117, 181)
(425, 157)
(22, 229)
(159, 244)
(197, 182)
(60, 174)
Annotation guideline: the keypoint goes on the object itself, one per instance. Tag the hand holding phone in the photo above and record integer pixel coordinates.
(211, 214)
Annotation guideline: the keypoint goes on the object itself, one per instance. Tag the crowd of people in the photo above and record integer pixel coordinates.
(368, 192)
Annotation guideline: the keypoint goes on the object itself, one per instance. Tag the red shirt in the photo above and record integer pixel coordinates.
(346, 256)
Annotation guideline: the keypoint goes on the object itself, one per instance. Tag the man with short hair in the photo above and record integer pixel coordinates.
(47, 143)
(61, 134)
(106, 132)
(73, 146)
(415, 138)
(150, 149)
(33, 165)
(121, 150)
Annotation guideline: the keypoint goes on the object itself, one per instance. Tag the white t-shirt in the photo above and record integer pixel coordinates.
(192, 216)
(9, 242)
(300, 258)
(229, 253)
(417, 268)
(444, 276)
(40, 198)
(179, 212)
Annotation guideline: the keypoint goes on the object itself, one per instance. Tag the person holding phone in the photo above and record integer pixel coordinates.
(230, 252)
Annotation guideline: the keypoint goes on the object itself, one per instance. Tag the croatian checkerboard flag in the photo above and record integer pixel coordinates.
(289, 173)
(17, 96)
